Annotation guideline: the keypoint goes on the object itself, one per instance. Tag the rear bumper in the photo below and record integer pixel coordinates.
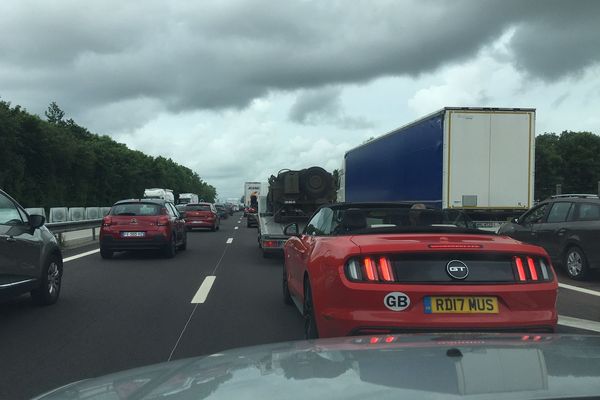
(335, 323)
(346, 308)
(200, 223)
(156, 242)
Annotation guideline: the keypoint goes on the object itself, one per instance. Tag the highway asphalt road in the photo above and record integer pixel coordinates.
(140, 309)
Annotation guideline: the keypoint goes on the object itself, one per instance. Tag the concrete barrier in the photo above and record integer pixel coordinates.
(59, 214)
(76, 213)
(92, 213)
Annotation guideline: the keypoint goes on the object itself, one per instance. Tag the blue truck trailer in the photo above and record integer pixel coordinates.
(477, 159)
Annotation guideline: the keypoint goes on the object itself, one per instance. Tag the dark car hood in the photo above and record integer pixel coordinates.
(490, 366)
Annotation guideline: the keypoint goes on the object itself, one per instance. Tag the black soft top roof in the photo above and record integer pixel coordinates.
(159, 202)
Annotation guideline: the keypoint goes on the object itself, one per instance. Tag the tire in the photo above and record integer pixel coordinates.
(105, 253)
(213, 228)
(310, 326)
(171, 248)
(576, 263)
(287, 297)
(51, 282)
(266, 254)
(183, 246)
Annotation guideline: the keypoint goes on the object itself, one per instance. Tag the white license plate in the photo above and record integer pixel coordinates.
(133, 234)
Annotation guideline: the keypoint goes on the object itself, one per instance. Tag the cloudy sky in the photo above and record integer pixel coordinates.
(238, 89)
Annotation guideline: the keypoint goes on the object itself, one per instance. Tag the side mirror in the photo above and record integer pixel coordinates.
(291, 230)
(35, 221)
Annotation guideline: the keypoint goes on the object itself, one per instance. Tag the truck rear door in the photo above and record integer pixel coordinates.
(489, 159)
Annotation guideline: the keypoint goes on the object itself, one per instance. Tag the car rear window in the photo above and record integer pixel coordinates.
(136, 209)
(198, 207)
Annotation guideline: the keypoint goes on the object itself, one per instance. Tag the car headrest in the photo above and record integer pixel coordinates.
(354, 219)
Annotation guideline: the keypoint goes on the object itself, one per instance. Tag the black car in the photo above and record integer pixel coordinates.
(30, 257)
(568, 227)
(222, 211)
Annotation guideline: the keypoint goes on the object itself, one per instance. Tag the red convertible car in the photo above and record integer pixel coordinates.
(384, 268)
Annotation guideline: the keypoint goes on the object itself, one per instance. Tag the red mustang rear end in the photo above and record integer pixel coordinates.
(380, 268)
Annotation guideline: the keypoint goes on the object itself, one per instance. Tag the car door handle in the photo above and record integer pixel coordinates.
(561, 232)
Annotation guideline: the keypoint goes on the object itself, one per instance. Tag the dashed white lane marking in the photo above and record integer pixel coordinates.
(76, 256)
(239, 222)
(237, 227)
(230, 240)
(579, 323)
(204, 289)
(579, 289)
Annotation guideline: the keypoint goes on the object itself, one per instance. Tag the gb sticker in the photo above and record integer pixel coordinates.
(396, 301)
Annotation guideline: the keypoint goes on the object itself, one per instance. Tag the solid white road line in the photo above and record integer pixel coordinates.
(204, 289)
(76, 256)
(579, 323)
(579, 289)
(237, 227)
(230, 240)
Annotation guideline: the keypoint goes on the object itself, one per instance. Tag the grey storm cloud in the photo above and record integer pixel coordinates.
(222, 54)
(323, 106)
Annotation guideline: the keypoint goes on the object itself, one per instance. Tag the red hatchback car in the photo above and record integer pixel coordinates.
(384, 268)
(141, 225)
(201, 215)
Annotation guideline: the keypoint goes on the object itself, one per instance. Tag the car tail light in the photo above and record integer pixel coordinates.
(370, 269)
(531, 269)
(455, 246)
(163, 220)
(106, 221)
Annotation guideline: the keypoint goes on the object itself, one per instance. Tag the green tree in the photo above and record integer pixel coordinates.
(548, 165)
(60, 163)
(54, 114)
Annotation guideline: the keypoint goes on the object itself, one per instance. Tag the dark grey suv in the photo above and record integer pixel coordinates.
(568, 227)
(30, 257)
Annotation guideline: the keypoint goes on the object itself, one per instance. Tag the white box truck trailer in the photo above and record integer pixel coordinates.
(477, 159)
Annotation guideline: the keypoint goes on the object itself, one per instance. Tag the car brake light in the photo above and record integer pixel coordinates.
(385, 270)
(163, 220)
(106, 221)
(455, 246)
(370, 269)
(520, 269)
(532, 271)
(536, 270)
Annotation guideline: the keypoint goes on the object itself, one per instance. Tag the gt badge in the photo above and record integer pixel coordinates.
(396, 301)
(457, 269)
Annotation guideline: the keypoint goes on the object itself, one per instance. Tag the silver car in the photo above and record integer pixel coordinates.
(415, 367)
(30, 257)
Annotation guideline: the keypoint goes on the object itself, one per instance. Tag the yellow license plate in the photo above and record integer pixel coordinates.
(460, 305)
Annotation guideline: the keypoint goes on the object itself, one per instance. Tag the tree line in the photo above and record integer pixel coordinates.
(571, 159)
(57, 163)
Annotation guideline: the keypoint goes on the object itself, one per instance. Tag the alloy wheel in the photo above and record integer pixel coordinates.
(53, 279)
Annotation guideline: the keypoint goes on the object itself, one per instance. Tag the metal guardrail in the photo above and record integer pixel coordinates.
(70, 226)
